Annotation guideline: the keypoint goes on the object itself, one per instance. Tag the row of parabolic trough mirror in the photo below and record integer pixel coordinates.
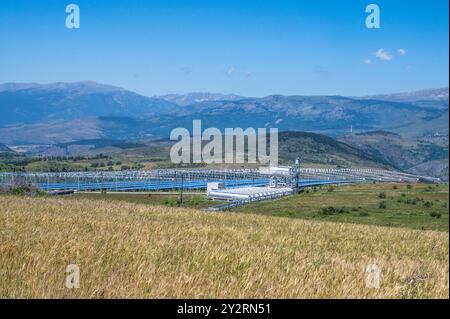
(187, 175)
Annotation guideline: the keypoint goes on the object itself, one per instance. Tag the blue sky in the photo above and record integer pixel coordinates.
(247, 47)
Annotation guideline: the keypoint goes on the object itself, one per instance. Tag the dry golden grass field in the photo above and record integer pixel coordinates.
(133, 250)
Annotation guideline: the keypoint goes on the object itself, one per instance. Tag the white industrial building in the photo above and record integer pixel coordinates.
(248, 193)
(283, 182)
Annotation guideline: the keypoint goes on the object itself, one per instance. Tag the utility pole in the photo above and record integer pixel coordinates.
(181, 189)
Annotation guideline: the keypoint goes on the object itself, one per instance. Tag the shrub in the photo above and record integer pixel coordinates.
(24, 190)
(435, 215)
(382, 205)
(170, 202)
(382, 195)
(17, 191)
(428, 204)
(333, 210)
(195, 200)
(330, 189)
(364, 214)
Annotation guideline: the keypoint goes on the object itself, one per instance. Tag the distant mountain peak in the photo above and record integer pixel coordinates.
(5, 149)
(34, 103)
(440, 94)
(83, 87)
(199, 97)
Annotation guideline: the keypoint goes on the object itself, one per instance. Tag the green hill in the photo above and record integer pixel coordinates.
(321, 149)
(402, 152)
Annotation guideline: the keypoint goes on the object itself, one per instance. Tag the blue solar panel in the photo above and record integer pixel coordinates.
(171, 184)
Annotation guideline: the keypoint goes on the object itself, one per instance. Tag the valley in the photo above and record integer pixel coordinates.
(57, 123)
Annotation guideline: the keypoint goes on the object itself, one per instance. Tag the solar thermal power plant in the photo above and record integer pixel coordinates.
(234, 186)
(167, 179)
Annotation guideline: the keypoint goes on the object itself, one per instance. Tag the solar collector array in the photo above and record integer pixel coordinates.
(170, 184)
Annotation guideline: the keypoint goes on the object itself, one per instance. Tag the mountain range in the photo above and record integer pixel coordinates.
(64, 112)
(406, 131)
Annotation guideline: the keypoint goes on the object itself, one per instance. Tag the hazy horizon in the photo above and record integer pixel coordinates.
(221, 93)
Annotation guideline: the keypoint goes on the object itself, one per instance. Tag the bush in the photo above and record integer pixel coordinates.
(395, 187)
(435, 215)
(382, 195)
(333, 210)
(428, 204)
(25, 190)
(382, 205)
(409, 186)
(195, 200)
(330, 189)
(364, 214)
(171, 202)
(17, 191)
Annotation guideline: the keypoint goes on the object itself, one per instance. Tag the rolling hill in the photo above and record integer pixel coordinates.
(321, 149)
(403, 153)
(311, 147)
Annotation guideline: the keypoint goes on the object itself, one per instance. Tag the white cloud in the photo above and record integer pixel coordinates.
(368, 61)
(231, 71)
(384, 55)
(401, 51)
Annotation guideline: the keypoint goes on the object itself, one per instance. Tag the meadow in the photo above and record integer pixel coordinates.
(417, 206)
(134, 250)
